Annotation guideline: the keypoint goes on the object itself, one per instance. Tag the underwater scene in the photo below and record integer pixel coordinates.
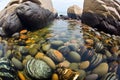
(64, 50)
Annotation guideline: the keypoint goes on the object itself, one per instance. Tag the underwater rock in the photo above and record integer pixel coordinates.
(55, 55)
(48, 60)
(55, 76)
(67, 74)
(84, 65)
(95, 61)
(110, 76)
(46, 47)
(56, 44)
(82, 75)
(98, 47)
(74, 66)
(64, 64)
(73, 57)
(17, 63)
(101, 69)
(91, 77)
(33, 51)
(38, 69)
(7, 69)
(64, 50)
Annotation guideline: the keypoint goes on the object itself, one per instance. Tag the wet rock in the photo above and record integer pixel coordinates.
(33, 51)
(95, 61)
(87, 55)
(7, 69)
(113, 66)
(55, 55)
(17, 54)
(110, 76)
(23, 31)
(72, 47)
(64, 50)
(56, 44)
(65, 64)
(16, 35)
(17, 63)
(48, 60)
(73, 57)
(108, 54)
(89, 42)
(23, 50)
(46, 47)
(8, 54)
(84, 65)
(67, 74)
(23, 37)
(98, 47)
(38, 69)
(74, 66)
(101, 69)
(91, 77)
(82, 75)
(55, 76)
(74, 12)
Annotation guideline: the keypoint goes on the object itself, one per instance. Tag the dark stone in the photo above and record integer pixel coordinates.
(33, 16)
(73, 16)
(102, 23)
(64, 17)
(10, 24)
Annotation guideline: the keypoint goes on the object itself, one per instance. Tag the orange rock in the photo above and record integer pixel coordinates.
(39, 55)
(55, 77)
(23, 31)
(21, 76)
(28, 41)
(58, 55)
(89, 41)
(24, 61)
(23, 37)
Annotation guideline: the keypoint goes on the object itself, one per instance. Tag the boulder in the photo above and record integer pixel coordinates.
(105, 17)
(74, 12)
(29, 14)
(9, 21)
(33, 16)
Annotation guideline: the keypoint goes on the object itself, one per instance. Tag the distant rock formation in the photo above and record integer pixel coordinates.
(102, 14)
(29, 14)
(74, 12)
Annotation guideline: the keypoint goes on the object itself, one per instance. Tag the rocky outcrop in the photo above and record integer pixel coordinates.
(102, 14)
(9, 21)
(74, 12)
(33, 16)
(29, 14)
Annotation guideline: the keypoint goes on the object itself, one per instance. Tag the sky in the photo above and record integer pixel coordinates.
(60, 5)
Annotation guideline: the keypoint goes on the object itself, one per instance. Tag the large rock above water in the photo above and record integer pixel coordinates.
(102, 14)
(9, 21)
(74, 12)
(34, 16)
(30, 14)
